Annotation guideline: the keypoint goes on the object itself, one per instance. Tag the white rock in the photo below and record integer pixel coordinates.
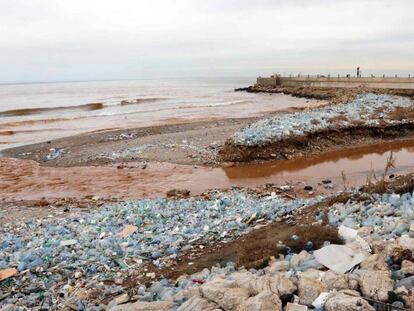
(294, 261)
(278, 284)
(309, 290)
(144, 306)
(198, 304)
(374, 262)
(187, 294)
(375, 284)
(334, 280)
(342, 302)
(265, 301)
(338, 258)
(406, 242)
(224, 293)
(407, 266)
(282, 265)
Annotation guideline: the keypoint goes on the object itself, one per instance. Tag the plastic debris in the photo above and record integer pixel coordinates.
(7, 273)
(363, 109)
(68, 242)
(347, 234)
(129, 229)
(338, 258)
(54, 154)
(319, 302)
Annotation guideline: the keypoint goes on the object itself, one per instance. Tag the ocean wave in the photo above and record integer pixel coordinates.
(34, 111)
(138, 101)
(74, 108)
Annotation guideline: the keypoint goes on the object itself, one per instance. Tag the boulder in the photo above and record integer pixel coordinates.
(407, 266)
(198, 304)
(187, 294)
(224, 293)
(397, 252)
(285, 286)
(353, 281)
(294, 261)
(406, 242)
(376, 284)
(334, 280)
(144, 306)
(278, 284)
(342, 302)
(282, 265)
(265, 301)
(374, 262)
(309, 290)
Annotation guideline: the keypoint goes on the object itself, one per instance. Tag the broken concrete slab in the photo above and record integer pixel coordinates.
(338, 258)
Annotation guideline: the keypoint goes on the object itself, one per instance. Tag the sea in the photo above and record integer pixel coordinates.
(31, 113)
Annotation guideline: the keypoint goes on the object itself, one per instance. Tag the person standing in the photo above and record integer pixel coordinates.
(358, 72)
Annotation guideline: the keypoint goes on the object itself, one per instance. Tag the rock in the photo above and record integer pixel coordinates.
(409, 301)
(278, 284)
(304, 256)
(144, 306)
(408, 283)
(309, 290)
(224, 293)
(312, 274)
(265, 301)
(187, 294)
(285, 286)
(295, 307)
(294, 261)
(342, 302)
(376, 284)
(374, 262)
(350, 292)
(333, 280)
(353, 281)
(197, 304)
(407, 266)
(406, 242)
(398, 253)
(120, 299)
(282, 265)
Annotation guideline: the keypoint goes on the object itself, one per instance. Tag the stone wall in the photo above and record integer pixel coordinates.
(312, 81)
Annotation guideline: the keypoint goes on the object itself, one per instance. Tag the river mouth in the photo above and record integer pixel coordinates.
(27, 180)
(352, 161)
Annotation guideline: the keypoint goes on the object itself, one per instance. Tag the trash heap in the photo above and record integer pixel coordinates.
(53, 257)
(374, 270)
(367, 109)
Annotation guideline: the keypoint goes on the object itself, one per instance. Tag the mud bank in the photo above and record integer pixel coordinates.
(315, 143)
(333, 95)
(367, 118)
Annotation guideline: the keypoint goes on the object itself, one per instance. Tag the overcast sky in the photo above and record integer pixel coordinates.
(49, 40)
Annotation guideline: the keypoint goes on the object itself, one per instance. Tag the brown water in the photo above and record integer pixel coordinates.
(22, 179)
(359, 161)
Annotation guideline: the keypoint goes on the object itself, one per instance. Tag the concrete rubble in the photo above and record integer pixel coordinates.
(367, 109)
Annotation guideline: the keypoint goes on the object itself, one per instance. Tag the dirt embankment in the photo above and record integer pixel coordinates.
(314, 143)
(333, 95)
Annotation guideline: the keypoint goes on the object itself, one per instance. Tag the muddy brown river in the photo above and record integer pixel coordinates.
(27, 180)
